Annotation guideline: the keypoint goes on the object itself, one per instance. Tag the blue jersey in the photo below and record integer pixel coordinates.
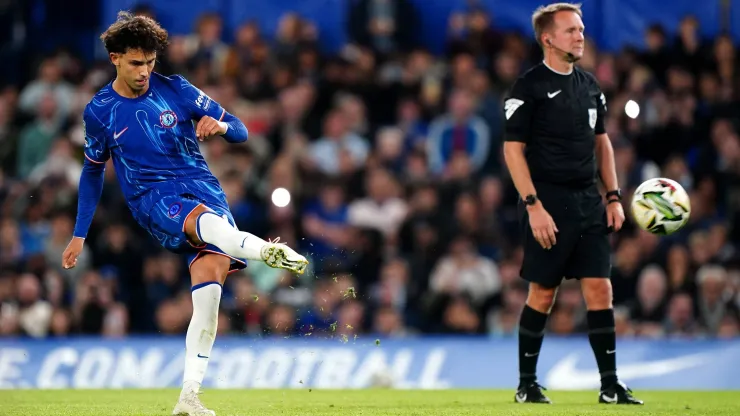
(151, 140)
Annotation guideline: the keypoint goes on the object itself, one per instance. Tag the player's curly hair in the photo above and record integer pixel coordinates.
(134, 32)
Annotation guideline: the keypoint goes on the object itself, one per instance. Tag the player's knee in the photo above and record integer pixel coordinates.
(209, 268)
(205, 276)
(541, 298)
(597, 293)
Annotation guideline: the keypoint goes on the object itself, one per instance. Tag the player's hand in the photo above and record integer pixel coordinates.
(543, 226)
(73, 250)
(209, 126)
(614, 216)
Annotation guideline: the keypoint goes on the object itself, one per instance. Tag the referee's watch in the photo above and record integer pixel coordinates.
(615, 195)
(530, 200)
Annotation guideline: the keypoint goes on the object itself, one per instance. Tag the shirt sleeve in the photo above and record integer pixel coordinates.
(91, 180)
(91, 187)
(518, 109)
(96, 146)
(198, 102)
(600, 127)
(202, 105)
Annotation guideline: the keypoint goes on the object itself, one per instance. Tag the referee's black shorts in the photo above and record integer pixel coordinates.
(582, 246)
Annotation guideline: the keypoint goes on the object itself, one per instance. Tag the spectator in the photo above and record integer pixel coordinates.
(49, 86)
(680, 321)
(205, 48)
(33, 314)
(382, 209)
(388, 322)
(36, 139)
(714, 301)
(463, 271)
(383, 25)
(652, 288)
(459, 131)
(325, 222)
(339, 151)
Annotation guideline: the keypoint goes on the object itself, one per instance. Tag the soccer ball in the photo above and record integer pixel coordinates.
(661, 206)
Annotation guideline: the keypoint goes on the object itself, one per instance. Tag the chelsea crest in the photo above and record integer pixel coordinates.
(168, 119)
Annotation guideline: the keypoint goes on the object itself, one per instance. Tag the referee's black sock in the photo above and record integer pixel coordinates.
(531, 332)
(603, 338)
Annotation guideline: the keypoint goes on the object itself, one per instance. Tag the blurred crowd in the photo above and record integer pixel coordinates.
(399, 193)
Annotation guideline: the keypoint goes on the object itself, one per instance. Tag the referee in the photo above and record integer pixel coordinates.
(554, 141)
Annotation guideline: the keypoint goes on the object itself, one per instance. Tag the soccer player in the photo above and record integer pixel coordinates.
(555, 147)
(150, 125)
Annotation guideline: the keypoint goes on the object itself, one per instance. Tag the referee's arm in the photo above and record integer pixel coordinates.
(518, 108)
(518, 112)
(604, 149)
(607, 167)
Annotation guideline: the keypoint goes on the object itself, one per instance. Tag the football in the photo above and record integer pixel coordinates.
(661, 206)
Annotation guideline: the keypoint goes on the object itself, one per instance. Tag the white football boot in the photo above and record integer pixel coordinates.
(280, 256)
(190, 405)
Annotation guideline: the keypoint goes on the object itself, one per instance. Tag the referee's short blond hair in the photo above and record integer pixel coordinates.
(543, 17)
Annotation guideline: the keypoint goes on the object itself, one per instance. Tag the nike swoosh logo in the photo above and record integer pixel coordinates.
(117, 135)
(609, 399)
(611, 351)
(526, 354)
(552, 94)
(245, 239)
(564, 375)
(201, 356)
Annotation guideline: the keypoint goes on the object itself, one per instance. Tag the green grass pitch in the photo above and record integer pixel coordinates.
(372, 402)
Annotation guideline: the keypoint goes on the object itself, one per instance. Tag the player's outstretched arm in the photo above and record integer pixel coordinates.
(91, 187)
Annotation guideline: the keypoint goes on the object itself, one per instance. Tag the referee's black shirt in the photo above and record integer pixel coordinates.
(557, 115)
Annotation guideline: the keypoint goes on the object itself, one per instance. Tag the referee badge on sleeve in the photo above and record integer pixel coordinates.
(592, 117)
(511, 105)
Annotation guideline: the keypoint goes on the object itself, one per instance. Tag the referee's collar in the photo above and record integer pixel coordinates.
(556, 71)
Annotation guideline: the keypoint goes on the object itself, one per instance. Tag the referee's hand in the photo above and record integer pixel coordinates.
(543, 226)
(614, 216)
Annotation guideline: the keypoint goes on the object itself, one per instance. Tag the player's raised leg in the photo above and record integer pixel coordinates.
(208, 227)
(208, 273)
(531, 333)
(597, 293)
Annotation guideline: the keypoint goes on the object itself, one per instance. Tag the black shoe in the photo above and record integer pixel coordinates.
(617, 393)
(530, 393)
